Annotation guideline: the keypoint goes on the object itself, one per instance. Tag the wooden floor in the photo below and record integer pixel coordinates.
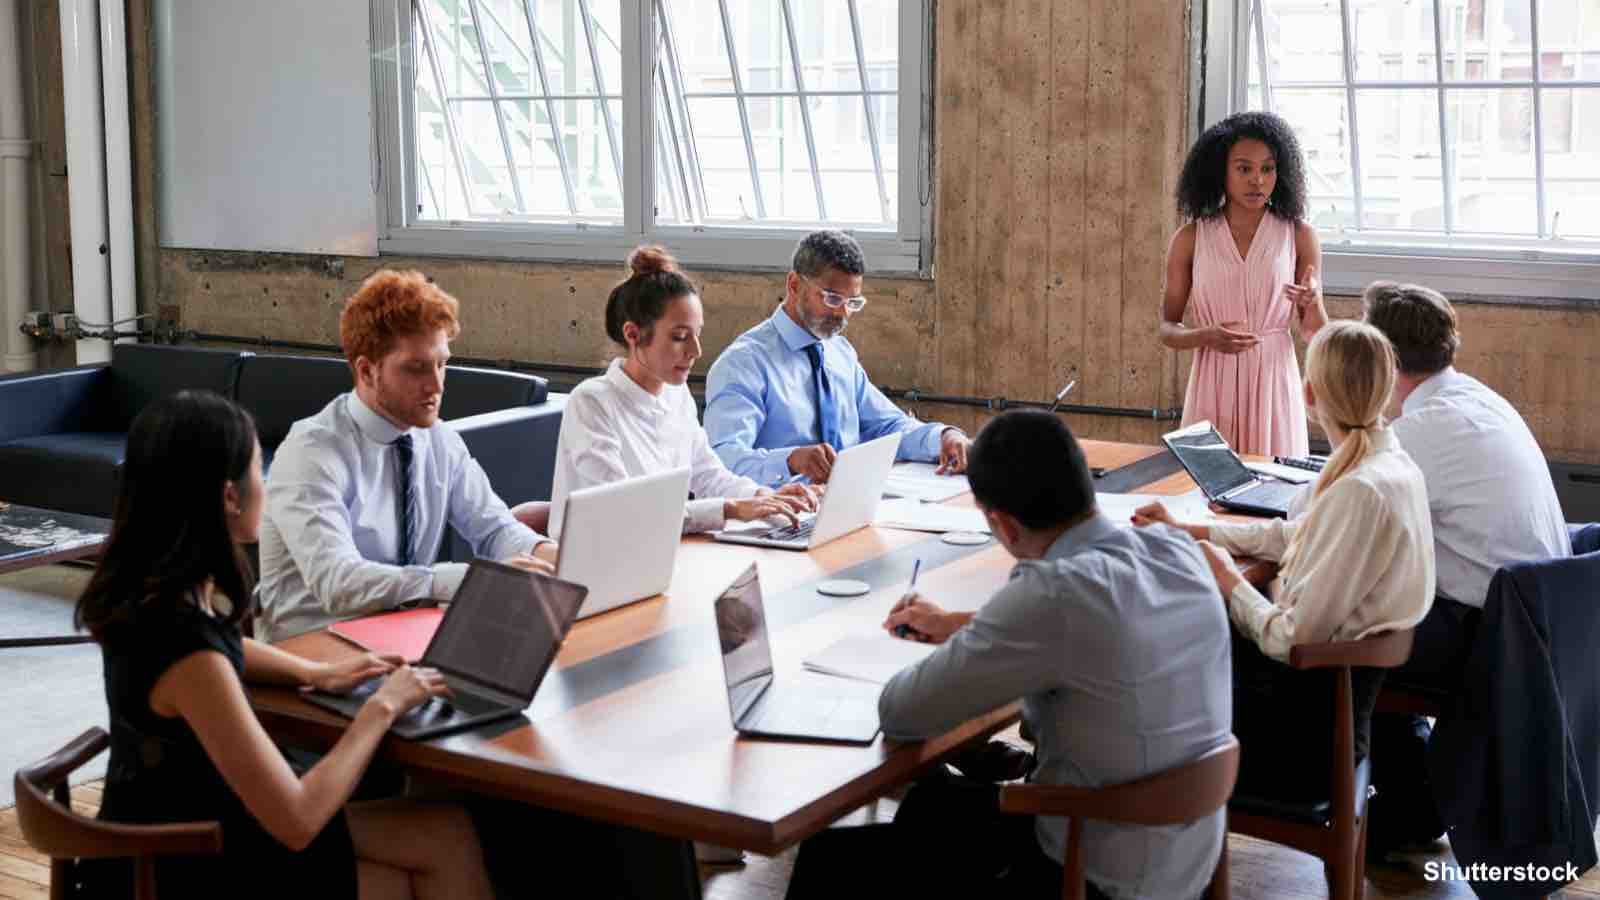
(1260, 870)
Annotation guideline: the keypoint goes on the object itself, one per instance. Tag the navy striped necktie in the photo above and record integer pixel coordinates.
(408, 502)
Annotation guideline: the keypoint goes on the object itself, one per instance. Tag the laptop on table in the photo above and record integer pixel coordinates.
(494, 645)
(851, 500)
(620, 540)
(822, 709)
(1224, 478)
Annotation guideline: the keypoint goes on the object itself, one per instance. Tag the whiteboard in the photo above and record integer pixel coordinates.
(264, 126)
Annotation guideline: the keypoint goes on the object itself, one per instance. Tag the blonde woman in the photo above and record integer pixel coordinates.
(1358, 562)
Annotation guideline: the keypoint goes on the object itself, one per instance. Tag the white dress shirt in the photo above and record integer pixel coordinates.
(330, 530)
(1364, 563)
(614, 429)
(1489, 486)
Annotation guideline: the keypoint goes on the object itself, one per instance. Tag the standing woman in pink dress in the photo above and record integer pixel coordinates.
(1244, 270)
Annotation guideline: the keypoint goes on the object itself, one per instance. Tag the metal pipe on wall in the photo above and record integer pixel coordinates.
(118, 157)
(911, 396)
(15, 236)
(86, 168)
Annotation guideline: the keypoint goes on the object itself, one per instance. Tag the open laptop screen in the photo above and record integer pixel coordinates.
(1209, 459)
(504, 627)
(742, 632)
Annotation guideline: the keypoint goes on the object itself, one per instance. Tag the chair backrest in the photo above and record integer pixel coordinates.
(1377, 651)
(52, 828)
(1171, 797)
(141, 373)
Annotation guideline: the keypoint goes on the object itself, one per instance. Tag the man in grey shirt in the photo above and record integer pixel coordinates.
(1116, 642)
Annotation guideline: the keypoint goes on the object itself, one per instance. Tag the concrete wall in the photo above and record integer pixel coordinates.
(1060, 125)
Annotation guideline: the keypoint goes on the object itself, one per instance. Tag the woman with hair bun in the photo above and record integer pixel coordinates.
(1244, 269)
(639, 418)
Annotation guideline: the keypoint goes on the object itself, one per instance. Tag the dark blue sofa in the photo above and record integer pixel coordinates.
(63, 432)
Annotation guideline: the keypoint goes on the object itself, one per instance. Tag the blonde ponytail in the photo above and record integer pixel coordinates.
(1350, 366)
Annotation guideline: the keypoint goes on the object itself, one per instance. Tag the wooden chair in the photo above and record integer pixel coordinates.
(535, 514)
(1334, 830)
(1173, 797)
(52, 828)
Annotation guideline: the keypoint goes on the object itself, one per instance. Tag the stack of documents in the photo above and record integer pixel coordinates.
(914, 515)
(921, 481)
(872, 657)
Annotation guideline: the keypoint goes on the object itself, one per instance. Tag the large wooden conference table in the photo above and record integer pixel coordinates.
(631, 726)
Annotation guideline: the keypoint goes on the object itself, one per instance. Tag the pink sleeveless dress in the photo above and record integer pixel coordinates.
(1253, 398)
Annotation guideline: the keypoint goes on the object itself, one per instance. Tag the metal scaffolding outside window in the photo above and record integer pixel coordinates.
(761, 113)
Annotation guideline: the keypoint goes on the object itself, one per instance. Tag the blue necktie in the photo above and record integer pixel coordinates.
(408, 502)
(827, 409)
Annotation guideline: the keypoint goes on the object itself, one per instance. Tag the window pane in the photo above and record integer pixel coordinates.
(1401, 182)
(1393, 41)
(1305, 42)
(1488, 41)
(1572, 161)
(1491, 141)
(1569, 39)
(591, 178)
(724, 163)
(707, 158)
(1322, 124)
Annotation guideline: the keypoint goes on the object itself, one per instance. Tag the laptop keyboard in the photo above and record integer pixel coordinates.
(845, 715)
(463, 703)
(792, 532)
(1276, 494)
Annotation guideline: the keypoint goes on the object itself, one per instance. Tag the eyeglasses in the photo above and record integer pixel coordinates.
(835, 300)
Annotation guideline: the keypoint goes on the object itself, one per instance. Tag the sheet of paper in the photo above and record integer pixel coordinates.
(1190, 507)
(919, 481)
(914, 515)
(872, 657)
(1282, 473)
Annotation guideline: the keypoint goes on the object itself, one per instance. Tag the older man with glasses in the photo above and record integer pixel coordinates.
(788, 394)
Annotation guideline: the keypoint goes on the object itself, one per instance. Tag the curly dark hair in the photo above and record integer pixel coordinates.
(1202, 188)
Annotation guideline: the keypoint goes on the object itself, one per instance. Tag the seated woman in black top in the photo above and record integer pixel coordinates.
(165, 605)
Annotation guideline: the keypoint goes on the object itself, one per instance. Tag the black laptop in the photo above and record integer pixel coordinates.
(1224, 478)
(821, 709)
(495, 644)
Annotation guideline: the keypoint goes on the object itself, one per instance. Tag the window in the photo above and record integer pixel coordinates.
(558, 129)
(1431, 135)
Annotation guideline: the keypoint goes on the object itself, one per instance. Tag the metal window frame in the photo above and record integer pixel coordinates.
(1542, 267)
(901, 248)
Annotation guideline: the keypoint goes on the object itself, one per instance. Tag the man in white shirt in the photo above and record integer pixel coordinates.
(1492, 503)
(359, 494)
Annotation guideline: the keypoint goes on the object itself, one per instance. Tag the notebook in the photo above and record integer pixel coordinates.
(405, 633)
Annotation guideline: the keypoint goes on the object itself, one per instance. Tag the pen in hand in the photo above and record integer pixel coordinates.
(906, 631)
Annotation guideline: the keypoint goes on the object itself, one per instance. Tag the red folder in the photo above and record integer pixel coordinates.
(405, 633)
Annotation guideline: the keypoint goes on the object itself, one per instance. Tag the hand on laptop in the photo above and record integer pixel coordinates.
(408, 687)
(343, 676)
(535, 562)
(807, 494)
(929, 623)
(814, 462)
(779, 506)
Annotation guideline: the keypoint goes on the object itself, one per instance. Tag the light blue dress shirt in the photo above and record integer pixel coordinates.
(1117, 644)
(761, 401)
(330, 530)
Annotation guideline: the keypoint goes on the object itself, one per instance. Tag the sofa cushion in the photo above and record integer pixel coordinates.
(143, 372)
(74, 472)
(281, 390)
(471, 392)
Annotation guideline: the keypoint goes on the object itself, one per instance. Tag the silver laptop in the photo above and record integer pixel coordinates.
(1224, 478)
(494, 645)
(620, 540)
(849, 503)
(823, 709)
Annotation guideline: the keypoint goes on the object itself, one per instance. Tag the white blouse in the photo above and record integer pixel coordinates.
(614, 429)
(1365, 562)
